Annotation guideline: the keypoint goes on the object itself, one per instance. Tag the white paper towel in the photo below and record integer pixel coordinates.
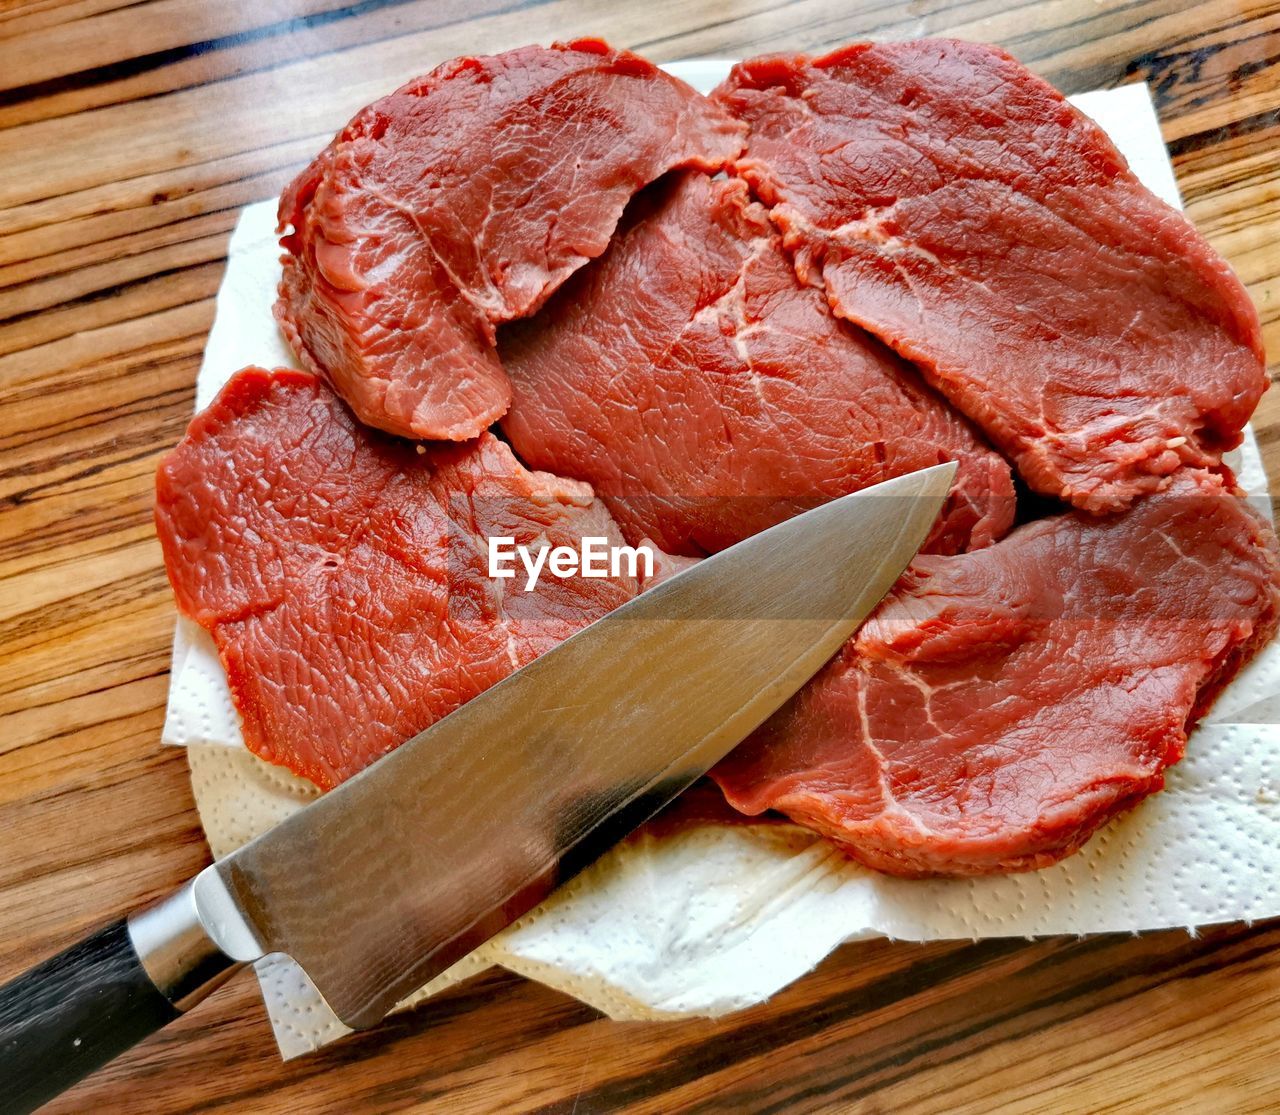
(708, 919)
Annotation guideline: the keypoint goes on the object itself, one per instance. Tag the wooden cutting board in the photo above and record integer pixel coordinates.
(130, 135)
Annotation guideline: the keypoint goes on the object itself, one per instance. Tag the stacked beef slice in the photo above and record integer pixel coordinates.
(710, 314)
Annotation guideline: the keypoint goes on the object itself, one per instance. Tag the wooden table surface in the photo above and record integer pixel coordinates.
(130, 135)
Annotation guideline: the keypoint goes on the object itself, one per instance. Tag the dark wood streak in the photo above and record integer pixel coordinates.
(932, 973)
(1245, 127)
(156, 59)
(109, 259)
(112, 81)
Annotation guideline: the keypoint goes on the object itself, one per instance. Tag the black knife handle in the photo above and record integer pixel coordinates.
(72, 1014)
(79, 1009)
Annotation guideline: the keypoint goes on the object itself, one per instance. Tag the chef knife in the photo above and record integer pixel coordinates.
(387, 880)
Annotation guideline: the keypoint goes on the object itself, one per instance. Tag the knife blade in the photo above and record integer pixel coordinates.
(391, 877)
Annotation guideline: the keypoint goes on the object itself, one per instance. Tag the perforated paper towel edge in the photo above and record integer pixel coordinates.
(712, 919)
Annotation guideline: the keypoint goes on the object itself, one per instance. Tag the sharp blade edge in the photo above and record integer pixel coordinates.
(387, 880)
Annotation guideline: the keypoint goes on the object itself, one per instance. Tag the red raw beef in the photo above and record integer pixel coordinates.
(959, 208)
(1001, 705)
(1003, 702)
(463, 200)
(705, 394)
(343, 575)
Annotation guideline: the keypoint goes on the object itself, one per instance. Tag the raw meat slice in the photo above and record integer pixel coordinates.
(959, 208)
(1001, 705)
(344, 575)
(463, 200)
(705, 394)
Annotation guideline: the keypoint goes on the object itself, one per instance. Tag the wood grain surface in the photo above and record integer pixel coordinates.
(130, 135)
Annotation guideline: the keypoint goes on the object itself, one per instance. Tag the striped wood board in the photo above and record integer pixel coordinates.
(130, 135)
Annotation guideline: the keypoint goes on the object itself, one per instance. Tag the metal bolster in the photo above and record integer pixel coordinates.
(178, 954)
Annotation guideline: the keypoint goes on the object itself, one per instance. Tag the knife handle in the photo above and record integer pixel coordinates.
(71, 1014)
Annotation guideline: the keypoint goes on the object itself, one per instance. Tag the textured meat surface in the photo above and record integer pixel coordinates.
(706, 394)
(1000, 705)
(959, 208)
(463, 200)
(343, 574)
